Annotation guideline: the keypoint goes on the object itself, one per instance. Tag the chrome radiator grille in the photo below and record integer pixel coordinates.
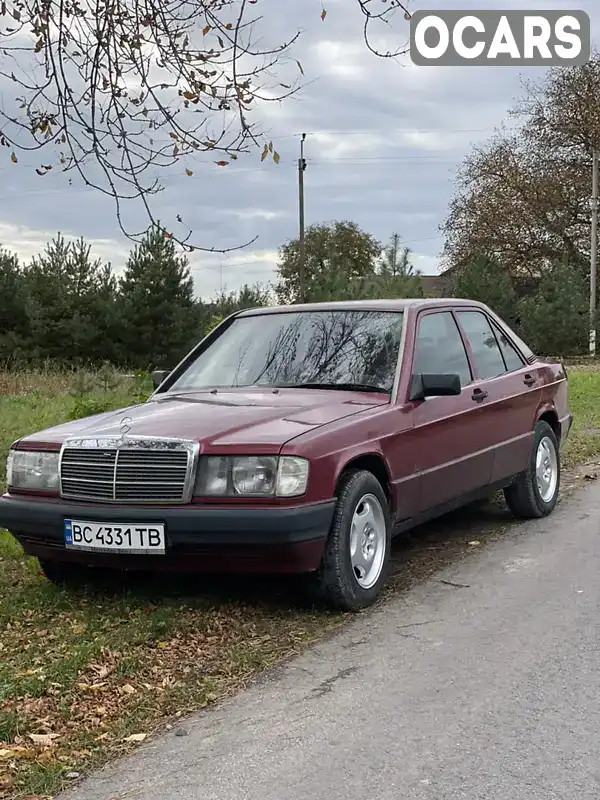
(128, 470)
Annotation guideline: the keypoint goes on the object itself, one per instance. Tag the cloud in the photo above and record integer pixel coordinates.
(30, 242)
(384, 140)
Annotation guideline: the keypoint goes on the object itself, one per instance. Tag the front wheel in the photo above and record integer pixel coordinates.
(535, 492)
(356, 558)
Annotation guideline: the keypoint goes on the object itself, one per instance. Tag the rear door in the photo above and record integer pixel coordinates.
(512, 390)
(449, 431)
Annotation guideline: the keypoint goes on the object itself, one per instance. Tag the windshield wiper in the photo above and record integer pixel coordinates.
(344, 387)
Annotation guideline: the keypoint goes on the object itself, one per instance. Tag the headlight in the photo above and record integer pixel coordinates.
(252, 476)
(26, 469)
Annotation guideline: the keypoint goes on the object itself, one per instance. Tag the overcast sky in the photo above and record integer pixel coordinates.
(384, 140)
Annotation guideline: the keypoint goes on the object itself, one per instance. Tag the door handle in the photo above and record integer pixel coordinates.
(479, 394)
(528, 380)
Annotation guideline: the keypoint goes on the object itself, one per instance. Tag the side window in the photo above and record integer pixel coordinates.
(512, 359)
(486, 351)
(439, 348)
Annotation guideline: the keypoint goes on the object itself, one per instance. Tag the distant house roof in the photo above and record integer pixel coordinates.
(438, 285)
(434, 285)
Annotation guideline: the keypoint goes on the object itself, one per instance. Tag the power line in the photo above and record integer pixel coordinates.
(291, 162)
(344, 160)
(375, 131)
(358, 132)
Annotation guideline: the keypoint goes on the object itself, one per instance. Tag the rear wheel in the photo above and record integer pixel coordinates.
(356, 559)
(535, 492)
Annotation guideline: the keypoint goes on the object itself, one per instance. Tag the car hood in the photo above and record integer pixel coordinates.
(227, 418)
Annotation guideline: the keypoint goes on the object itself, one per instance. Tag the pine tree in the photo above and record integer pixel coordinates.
(13, 308)
(395, 260)
(396, 274)
(484, 279)
(555, 320)
(226, 303)
(71, 303)
(156, 298)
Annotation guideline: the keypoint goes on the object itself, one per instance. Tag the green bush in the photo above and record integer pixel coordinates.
(555, 320)
(87, 406)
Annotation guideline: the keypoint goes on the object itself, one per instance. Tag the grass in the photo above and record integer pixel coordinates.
(86, 676)
(52, 382)
(583, 442)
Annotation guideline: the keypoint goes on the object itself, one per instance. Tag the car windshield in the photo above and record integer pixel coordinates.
(335, 349)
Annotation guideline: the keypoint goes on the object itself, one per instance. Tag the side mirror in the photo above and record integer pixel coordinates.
(158, 377)
(434, 386)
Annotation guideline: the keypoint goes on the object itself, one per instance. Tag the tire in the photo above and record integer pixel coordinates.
(341, 582)
(524, 497)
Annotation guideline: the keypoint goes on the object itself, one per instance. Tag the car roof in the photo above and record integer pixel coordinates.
(362, 305)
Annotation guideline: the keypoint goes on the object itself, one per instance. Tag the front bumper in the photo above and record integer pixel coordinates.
(565, 427)
(278, 539)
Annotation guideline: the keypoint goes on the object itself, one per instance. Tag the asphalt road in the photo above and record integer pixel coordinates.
(490, 690)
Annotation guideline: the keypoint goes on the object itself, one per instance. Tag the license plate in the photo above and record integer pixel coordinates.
(122, 538)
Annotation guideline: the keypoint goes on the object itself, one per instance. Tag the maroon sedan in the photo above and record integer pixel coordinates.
(298, 439)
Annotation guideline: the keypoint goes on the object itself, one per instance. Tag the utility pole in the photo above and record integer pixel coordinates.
(302, 255)
(594, 253)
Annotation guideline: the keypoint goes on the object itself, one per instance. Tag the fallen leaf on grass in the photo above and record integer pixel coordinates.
(101, 671)
(128, 689)
(136, 737)
(44, 739)
(91, 687)
(79, 628)
(14, 751)
(47, 756)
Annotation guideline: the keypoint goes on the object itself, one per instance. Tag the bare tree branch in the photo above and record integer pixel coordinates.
(523, 198)
(118, 91)
(382, 11)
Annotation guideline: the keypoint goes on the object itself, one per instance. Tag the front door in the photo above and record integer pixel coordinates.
(448, 430)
